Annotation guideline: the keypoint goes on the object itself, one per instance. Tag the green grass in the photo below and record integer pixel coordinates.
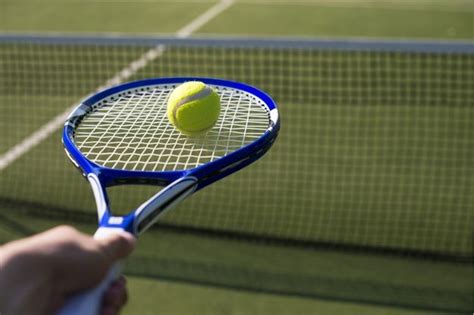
(208, 300)
(417, 19)
(76, 16)
(344, 21)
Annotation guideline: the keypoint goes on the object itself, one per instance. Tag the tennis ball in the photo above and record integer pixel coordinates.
(193, 108)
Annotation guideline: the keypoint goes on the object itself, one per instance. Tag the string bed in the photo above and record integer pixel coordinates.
(131, 131)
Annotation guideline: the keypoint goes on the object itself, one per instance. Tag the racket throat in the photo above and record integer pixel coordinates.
(166, 199)
(100, 196)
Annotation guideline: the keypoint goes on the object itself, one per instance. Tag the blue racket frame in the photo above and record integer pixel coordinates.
(101, 177)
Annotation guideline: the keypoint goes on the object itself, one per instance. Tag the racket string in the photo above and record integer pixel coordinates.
(148, 127)
(132, 131)
(123, 125)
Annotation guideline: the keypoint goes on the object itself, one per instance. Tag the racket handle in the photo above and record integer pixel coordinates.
(89, 302)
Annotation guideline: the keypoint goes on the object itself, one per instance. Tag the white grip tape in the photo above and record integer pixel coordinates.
(89, 302)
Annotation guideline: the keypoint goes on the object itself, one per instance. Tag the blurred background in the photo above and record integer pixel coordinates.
(364, 205)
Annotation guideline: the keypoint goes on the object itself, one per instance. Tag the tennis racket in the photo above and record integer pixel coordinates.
(122, 136)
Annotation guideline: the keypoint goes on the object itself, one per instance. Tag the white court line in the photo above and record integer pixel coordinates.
(46, 130)
(204, 18)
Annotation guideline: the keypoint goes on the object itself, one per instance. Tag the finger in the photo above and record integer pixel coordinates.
(115, 298)
(77, 251)
(109, 310)
(67, 250)
(116, 295)
(117, 245)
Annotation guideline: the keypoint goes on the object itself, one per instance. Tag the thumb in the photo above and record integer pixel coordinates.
(117, 245)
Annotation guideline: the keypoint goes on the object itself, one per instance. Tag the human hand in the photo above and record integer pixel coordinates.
(39, 273)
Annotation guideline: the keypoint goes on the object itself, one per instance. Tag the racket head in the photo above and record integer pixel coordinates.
(229, 160)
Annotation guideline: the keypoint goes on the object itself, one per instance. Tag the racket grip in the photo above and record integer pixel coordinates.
(89, 302)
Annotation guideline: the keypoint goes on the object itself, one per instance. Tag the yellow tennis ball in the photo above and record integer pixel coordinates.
(193, 107)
